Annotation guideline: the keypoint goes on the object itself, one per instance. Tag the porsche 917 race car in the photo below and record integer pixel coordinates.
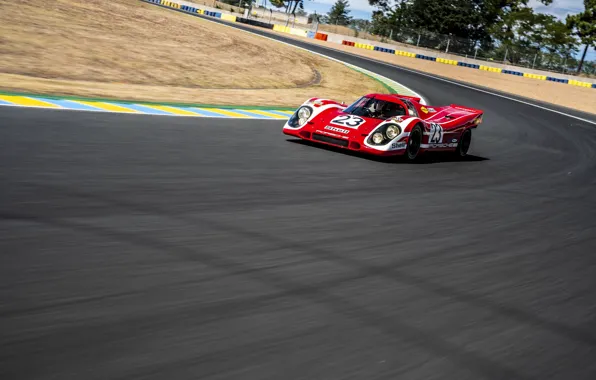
(386, 125)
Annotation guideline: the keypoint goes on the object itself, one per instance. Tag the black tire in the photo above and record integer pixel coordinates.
(464, 144)
(414, 143)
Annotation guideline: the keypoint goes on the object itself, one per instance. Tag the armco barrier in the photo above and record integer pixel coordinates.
(405, 54)
(558, 80)
(384, 50)
(447, 61)
(321, 36)
(228, 17)
(254, 22)
(535, 76)
(580, 84)
(426, 57)
(491, 69)
(470, 65)
(324, 37)
(510, 72)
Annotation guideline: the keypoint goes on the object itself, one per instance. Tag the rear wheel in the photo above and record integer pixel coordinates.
(464, 144)
(414, 143)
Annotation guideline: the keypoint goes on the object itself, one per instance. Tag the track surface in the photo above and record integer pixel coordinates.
(139, 247)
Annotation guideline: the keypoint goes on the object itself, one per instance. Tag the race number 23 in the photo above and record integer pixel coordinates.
(349, 121)
(436, 134)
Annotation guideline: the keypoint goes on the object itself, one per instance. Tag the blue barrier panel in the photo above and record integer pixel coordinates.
(594, 85)
(418, 56)
(432, 59)
(217, 14)
(376, 48)
(566, 81)
(310, 35)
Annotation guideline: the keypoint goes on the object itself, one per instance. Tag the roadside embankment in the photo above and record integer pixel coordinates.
(132, 50)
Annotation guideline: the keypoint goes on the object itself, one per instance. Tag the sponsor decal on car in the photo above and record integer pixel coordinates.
(453, 140)
(335, 129)
(450, 145)
(432, 110)
(424, 109)
(398, 145)
(399, 119)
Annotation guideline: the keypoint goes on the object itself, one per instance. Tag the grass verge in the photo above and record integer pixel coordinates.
(126, 49)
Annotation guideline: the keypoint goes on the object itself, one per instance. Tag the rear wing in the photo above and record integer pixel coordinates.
(466, 109)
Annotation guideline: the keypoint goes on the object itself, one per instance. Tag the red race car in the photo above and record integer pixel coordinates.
(386, 125)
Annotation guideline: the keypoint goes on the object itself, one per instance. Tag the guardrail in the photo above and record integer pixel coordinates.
(324, 37)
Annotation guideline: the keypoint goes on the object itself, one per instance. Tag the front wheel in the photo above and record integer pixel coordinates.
(464, 144)
(414, 143)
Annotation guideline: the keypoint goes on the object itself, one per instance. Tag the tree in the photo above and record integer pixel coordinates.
(338, 14)
(278, 3)
(584, 26)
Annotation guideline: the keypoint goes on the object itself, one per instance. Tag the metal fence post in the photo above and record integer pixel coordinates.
(447, 48)
(475, 51)
(418, 42)
(505, 59)
(534, 62)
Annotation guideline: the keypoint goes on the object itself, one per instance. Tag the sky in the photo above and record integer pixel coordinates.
(361, 9)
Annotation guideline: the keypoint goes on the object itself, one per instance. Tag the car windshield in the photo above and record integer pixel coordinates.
(375, 108)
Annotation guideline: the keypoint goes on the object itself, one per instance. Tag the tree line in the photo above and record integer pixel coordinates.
(509, 29)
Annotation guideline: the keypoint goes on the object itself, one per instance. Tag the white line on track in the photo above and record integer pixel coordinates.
(414, 72)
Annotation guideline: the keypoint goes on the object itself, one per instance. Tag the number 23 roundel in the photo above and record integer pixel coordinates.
(436, 134)
(349, 121)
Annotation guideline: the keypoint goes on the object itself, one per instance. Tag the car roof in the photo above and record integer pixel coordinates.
(392, 97)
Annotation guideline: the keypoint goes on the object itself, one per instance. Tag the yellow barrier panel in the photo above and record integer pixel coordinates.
(580, 84)
(228, 17)
(405, 53)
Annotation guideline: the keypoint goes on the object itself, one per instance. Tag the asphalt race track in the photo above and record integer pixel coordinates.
(147, 247)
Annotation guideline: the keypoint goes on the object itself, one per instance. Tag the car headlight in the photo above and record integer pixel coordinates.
(300, 117)
(303, 115)
(384, 134)
(378, 137)
(392, 131)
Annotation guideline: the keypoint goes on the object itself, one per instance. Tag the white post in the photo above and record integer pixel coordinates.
(418, 43)
(447, 48)
(505, 59)
(534, 62)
